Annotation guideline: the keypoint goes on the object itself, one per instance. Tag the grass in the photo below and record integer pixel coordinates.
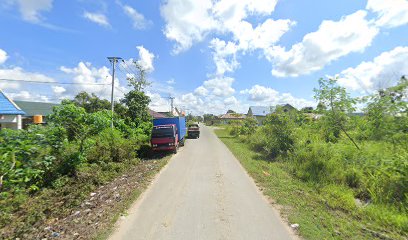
(65, 196)
(322, 213)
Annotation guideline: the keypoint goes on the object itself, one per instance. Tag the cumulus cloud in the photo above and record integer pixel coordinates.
(3, 56)
(260, 95)
(391, 13)
(220, 86)
(145, 58)
(224, 56)
(31, 10)
(92, 80)
(187, 21)
(20, 75)
(201, 91)
(333, 39)
(379, 73)
(138, 20)
(230, 101)
(58, 90)
(97, 18)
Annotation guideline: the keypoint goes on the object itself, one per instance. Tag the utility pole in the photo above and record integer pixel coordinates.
(113, 60)
(171, 104)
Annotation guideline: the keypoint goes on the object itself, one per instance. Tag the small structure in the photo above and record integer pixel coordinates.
(230, 117)
(10, 113)
(260, 112)
(156, 115)
(36, 112)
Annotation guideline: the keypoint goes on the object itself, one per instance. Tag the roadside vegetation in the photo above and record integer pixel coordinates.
(47, 171)
(336, 174)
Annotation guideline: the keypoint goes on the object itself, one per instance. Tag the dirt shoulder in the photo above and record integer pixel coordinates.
(88, 213)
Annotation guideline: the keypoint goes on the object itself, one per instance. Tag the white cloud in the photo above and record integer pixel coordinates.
(391, 13)
(171, 81)
(333, 39)
(220, 86)
(146, 58)
(58, 90)
(187, 21)
(3, 56)
(86, 77)
(19, 74)
(230, 101)
(31, 10)
(158, 103)
(97, 18)
(139, 21)
(224, 56)
(28, 96)
(379, 73)
(260, 95)
(201, 91)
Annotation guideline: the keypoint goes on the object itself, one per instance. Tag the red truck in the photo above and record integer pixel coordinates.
(168, 134)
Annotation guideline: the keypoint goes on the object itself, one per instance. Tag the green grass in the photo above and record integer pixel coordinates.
(327, 212)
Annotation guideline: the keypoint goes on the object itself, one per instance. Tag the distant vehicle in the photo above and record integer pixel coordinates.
(168, 134)
(193, 130)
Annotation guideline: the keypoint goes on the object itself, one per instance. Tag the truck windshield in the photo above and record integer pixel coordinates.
(193, 126)
(162, 132)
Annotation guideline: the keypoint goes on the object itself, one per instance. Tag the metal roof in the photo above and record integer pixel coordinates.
(8, 107)
(36, 108)
(260, 110)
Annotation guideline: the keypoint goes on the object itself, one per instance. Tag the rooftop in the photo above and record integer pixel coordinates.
(36, 108)
(260, 110)
(8, 107)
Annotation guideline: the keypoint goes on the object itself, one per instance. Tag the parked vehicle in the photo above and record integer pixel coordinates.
(168, 134)
(193, 130)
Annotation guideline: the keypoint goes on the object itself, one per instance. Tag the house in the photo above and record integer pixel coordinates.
(156, 115)
(229, 117)
(36, 112)
(10, 113)
(175, 113)
(260, 112)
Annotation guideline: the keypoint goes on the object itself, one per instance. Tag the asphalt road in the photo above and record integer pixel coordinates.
(203, 193)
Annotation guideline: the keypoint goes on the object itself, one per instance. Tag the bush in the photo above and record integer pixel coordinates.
(279, 132)
(111, 146)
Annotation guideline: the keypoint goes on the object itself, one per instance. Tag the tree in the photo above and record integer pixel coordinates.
(90, 102)
(387, 110)
(340, 104)
(138, 82)
(137, 107)
(231, 111)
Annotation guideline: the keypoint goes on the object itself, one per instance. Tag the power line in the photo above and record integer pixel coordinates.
(133, 72)
(49, 82)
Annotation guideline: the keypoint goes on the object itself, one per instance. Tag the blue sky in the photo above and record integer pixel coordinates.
(212, 55)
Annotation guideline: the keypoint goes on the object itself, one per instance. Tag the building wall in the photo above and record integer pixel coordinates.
(11, 121)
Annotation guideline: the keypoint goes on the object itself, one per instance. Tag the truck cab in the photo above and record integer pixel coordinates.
(165, 137)
(193, 130)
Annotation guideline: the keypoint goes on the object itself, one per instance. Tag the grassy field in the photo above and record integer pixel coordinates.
(320, 212)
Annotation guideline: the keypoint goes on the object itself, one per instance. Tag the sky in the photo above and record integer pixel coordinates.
(210, 55)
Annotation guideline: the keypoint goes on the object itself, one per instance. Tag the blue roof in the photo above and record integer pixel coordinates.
(8, 107)
(260, 110)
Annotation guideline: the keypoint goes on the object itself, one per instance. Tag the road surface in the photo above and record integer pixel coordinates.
(202, 193)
